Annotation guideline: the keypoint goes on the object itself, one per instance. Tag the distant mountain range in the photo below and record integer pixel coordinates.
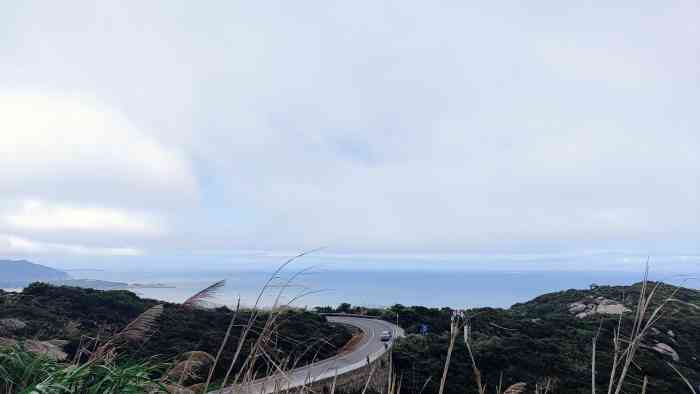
(20, 273)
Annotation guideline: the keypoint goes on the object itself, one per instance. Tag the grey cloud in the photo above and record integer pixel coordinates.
(394, 125)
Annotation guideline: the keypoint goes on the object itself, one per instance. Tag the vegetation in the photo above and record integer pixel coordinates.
(543, 343)
(75, 314)
(642, 338)
(22, 371)
(118, 342)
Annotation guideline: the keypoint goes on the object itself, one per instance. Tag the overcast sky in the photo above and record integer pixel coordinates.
(142, 130)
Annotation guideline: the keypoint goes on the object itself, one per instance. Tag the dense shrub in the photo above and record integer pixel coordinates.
(74, 313)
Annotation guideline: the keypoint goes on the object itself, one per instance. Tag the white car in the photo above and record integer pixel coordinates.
(386, 336)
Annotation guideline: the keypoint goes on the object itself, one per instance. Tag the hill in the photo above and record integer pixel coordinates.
(550, 338)
(16, 274)
(59, 313)
(19, 273)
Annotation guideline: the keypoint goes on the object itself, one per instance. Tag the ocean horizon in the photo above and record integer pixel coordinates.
(458, 289)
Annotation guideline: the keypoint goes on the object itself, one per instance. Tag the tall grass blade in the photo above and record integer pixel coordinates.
(200, 299)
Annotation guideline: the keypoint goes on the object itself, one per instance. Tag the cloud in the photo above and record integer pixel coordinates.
(407, 128)
(74, 170)
(14, 245)
(71, 148)
(39, 216)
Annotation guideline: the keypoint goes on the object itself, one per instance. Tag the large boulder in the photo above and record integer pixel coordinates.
(597, 306)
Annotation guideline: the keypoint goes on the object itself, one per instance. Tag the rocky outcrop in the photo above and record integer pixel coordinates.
(599, 305)
(52, 349)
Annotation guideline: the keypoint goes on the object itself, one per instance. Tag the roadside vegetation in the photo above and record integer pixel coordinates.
(553, 344)
(643, 338)
(115, 342)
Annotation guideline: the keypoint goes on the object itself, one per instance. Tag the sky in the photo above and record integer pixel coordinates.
(182, 133)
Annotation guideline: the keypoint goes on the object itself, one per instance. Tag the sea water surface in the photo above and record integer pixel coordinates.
(456, 289)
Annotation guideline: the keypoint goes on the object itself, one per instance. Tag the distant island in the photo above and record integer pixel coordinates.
(150, 286)
(17, 274)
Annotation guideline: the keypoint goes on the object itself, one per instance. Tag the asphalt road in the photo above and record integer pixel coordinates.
(370, 346)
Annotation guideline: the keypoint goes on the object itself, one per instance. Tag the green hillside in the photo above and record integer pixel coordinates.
(550, 339)
(73, 314)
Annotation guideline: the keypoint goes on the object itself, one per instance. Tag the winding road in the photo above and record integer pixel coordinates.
(369, 347)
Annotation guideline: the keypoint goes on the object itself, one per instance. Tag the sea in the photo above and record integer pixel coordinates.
(307, 289)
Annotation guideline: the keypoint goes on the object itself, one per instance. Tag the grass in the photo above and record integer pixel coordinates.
(99, 365)
(24, 372)
(626, 347)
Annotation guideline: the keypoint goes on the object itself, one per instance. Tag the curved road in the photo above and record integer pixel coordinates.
(370, 346)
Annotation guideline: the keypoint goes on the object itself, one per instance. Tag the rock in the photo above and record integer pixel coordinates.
(11, 325)
(52, 349)
(667, 350)
(46, 348)
(600, 305)
(611, 309)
